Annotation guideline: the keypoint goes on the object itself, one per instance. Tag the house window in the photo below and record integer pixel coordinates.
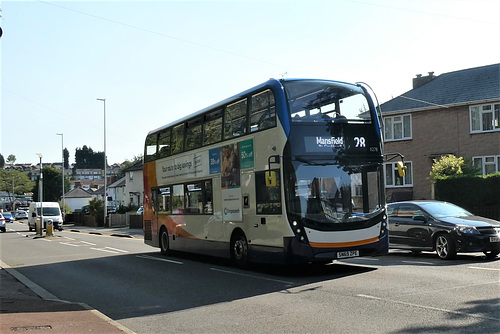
(397, 128)
(485, 118)
(487, 164)
(392, 178)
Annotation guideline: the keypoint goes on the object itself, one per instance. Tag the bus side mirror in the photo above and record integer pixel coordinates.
(271, 178)
(401, 169)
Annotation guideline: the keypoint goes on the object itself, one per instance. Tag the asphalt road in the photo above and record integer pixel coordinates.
(148, 293)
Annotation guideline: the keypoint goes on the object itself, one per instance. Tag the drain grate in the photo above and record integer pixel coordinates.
(30, 328)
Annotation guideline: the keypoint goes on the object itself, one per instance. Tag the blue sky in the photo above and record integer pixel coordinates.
(157, 61)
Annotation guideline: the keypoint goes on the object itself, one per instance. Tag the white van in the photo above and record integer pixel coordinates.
(51, 211)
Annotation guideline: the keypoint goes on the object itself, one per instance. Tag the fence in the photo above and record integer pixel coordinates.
(129, 219)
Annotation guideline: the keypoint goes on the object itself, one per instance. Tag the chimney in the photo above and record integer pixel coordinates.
(420, 80)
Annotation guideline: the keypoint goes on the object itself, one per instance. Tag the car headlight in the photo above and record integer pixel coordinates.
(467, 229)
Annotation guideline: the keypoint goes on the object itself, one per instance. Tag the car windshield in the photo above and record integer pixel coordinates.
(442, 210)
(49, 211)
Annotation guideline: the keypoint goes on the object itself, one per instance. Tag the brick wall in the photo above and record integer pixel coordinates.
(439, 132)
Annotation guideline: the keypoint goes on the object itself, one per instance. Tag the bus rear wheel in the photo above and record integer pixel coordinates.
(239, 250)
(164, 243)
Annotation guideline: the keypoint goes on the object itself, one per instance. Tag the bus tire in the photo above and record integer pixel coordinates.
(239, 249)
(164, 242)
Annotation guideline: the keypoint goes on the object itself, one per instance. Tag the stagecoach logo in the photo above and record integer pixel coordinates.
(231, 211)
(330, 142)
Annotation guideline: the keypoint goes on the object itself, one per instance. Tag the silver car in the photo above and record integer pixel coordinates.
(21, 214)
(2, 223)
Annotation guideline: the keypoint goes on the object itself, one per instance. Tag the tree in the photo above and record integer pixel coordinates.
(15, 182)
(129, 163)
(52, 187)
(11, 159)
(85, 157)
(450, 165)
(66, 158)
(96, 210)
(2, 161)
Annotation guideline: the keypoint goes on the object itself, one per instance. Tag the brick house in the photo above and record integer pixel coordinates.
(454, 113)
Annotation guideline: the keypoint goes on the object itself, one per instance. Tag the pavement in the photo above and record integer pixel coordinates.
(25, 306)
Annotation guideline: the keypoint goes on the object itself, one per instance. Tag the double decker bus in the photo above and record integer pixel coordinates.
(289, 171)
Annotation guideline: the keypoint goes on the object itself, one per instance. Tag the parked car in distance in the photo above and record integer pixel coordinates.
(8, 217)
(21, 214)
(2, 223)
(442, 227)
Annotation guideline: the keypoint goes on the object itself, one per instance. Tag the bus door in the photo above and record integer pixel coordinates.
(269, 209)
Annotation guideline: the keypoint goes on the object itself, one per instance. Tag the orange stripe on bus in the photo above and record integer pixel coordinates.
(343, 244)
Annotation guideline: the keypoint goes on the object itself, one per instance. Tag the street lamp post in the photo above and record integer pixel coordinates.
(40, 197)
(105, 169)
(62, 154)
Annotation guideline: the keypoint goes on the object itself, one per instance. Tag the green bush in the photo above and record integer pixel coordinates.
(469, 191)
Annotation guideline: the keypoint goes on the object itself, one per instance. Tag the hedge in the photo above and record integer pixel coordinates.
(470, 191)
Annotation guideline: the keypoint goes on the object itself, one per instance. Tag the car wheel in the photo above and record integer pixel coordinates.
(445, 247)
(164, 245)
(491, 254)
(239, 249)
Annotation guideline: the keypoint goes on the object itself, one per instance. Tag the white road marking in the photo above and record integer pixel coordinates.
(69, 244)
(110, 250)
(105, 250)
(418, 262)
(481, 268)
(78, 243)
(157, 259)
(430, 308)
(116, 249)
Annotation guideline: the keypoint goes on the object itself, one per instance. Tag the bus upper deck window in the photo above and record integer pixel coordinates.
(178, 139)
(164, 143)
(263, 111)
(235, 121)
(212, 128)
(151, 146)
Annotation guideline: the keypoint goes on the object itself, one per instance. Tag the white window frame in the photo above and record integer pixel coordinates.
(398, 119)
(487, 160)
(482, 110)
(394, 171)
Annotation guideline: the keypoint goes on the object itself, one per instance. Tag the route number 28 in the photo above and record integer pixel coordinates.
(360, 141)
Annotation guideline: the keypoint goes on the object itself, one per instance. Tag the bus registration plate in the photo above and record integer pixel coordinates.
(346, 254)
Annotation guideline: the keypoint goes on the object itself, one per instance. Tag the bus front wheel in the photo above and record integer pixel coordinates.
(164, 248)
(239, 249)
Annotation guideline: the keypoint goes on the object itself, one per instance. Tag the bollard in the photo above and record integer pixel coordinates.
(50, 228)
(38, 226)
